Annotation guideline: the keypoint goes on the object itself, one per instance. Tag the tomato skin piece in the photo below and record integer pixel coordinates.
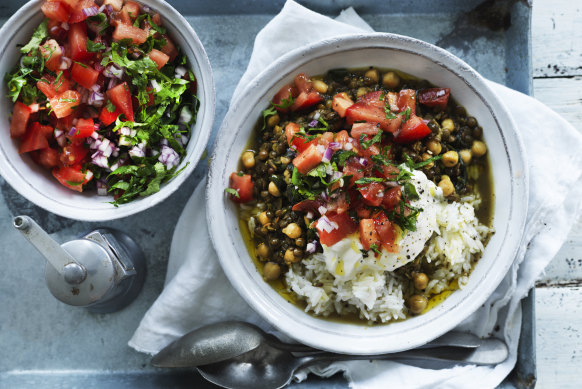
(121, 97)
(407, 99)
(124, 31)
(36, 138)
(308, 159)
(353, 168)
(244, 187)
(368, 234)
(56, 10)
(413, 129)
(305, 100)
(359, 129)
(73, 154)
(70, 177)
(345, 225)
(372, 193)
(85, 128)
(65, 103)
(284, 93)
(85, 76)
(47, 157)
(78, 42)
(297, 141)
(107, 117)
(391, 198)
(434, 97)
(373, 99)
(50, 89)
(340, 103)
(52, 53)
(372, 114)
(386, 232)
(169, 48)
(159, 57)
(20, 116)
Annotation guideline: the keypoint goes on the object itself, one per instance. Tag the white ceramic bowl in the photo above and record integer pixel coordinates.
(509, 175)
(36, 183)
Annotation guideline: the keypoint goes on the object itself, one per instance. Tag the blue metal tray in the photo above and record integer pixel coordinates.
(46, 344)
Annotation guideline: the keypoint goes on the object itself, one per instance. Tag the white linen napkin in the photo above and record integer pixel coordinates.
(197, 292)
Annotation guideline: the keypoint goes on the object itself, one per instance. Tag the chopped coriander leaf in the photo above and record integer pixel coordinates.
(95, 47)
(367, 143)
(266, 113)
(110, 106)
(81, 64)
(410, 191)
(100, 20)
(39, 35)
(367, 180)
(285, 103)
(374, 248)
(341, 156)
(232, 192)
(405, 115)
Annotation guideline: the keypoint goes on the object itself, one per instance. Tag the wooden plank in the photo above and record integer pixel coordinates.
(563, 95)
(559, 337)
(557, 38)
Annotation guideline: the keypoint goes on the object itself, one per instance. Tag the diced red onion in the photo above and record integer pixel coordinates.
(185, 114)
(324, 196)
(155, 85)
(324, 224)
(180, 71)
(137, 150)
(391, 184)
(90, 11)
(313, 123)
(72, 131)
(58, 133)
(100, 160)
(65, 26)
(348, 146)
(109, 9)
(184, 140)
(88, 175)
(364, 161)
(95, 135)
(316, 116)
(145, 8)
(309, 215)
(97, 99)
(66, 63)
(425, 121)
(164, 142)
(336, 175)
(327, 155)
(310, 248)
(34, 107)
(322, 210)
(112, 83)
(169, 157)
(125, 131)
(335, 145)
(102, 8)
(101, 188)
(96, 88)
(113, 71)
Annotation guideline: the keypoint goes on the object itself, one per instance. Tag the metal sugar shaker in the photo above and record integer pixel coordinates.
(103, 270)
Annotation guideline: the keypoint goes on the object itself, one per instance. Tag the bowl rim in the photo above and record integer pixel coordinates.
(10, 173)
(301, 331)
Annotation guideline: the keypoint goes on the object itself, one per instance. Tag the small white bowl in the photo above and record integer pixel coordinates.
(422, 60)
(37, 184)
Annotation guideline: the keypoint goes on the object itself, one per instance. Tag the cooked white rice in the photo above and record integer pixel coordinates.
(377, 295)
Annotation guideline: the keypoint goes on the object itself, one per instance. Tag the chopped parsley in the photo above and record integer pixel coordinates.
(233, 192)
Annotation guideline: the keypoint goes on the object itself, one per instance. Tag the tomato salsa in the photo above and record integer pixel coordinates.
(103, 98)
(334, 156)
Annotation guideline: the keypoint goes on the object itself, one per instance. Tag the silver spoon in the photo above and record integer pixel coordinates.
(225, 340)
(270, 368)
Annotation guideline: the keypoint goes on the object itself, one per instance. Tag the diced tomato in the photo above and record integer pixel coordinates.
(159, 57)
(107, 117)
(372, 193)
(305, 100)
(359, 129)
(340, 103)
(342, 138)
(52, 53)
(244, 187)
(298, 141)
(56, 30)
(386, 232)
(308, 159)
(157, 19)
(124, 31)
(307, 206)
(121, 97)
(50, 88)
(363, 112)
(55, 10)
(368, 234)
(47, 157)
(407, 99)
(362, 210)
(35, 138)
(345, 226)
(132, 9)
(373, 99)
(65, 103)
(434, 97)
(74, 153)
(20, 116)
(372, 149)
(69, 3)
(66, 123)
(84, 75)
(71, 177)
(78, 42)
(78, 15)
(353, 168)
(326, 138)
(389, 172)
(303, 82)
(284, 95)
(413, 129)
(85, 128)
(392, 101)
(338, 204)
(391, 198)
(169, 48)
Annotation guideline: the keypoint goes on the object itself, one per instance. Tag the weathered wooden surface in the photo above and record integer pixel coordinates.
(557, 64)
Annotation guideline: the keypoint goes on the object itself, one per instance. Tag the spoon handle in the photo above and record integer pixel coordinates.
(491, 352)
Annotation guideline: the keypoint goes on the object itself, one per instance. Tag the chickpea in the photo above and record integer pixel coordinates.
(278, 129)
(417, 303)
(285, 161)
(420, 281)
(450, 158)
(373, 75)
(434, 146)
(426, 156)
(479, 148)
(263, 250)
(391, 80)
(466, 155)
(448, 125)
(320, 86)
(273, 190)
(362, 91)
(263, 218)
(271, 271)
(273, 120)
(447, 186)
(248, 159)
(289, 257)
(292, 230)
